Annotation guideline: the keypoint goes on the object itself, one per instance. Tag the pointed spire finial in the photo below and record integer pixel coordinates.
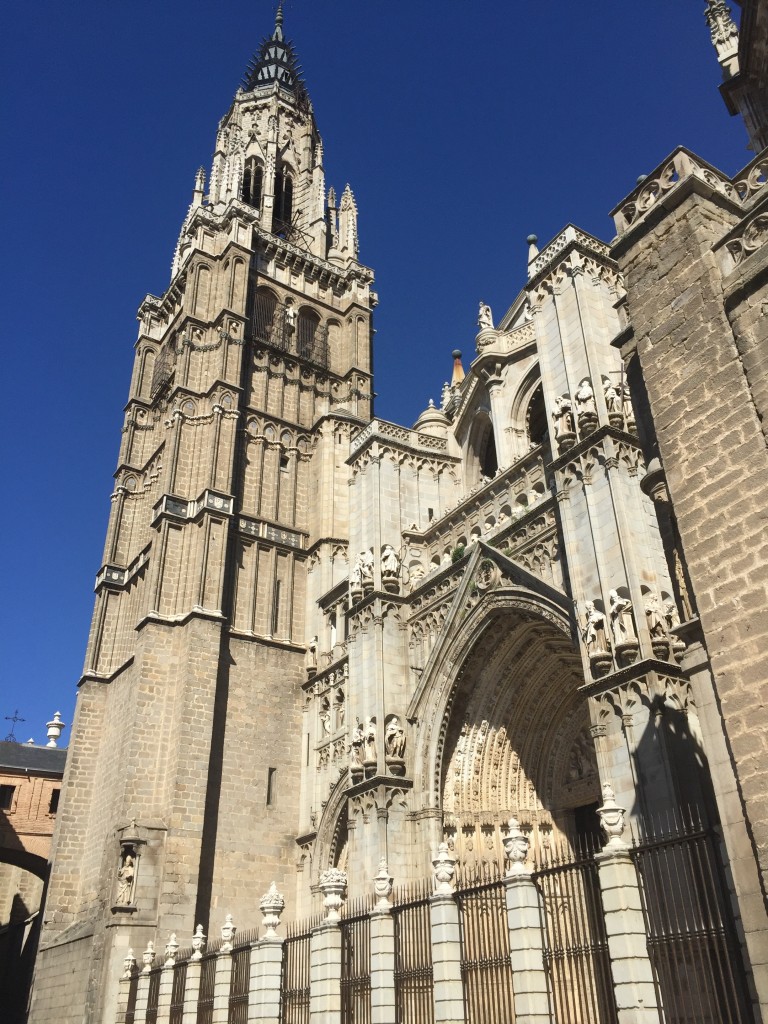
(724, 33)
(278, 33)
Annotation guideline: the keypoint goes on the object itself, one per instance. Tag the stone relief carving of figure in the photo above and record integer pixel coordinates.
(125, 876)
(390, 563)
(657, 627)
(594, 635)
(484, 316)
(563, 416)
(620, 611)
(394, 739)
(369, 734)
(585, 398)
(612, 402)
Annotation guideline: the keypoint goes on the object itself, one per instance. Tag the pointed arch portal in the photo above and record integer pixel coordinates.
(506, 730)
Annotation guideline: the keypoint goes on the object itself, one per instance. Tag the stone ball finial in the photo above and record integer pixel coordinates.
(641, 178)
(532, 239)
(456, 354)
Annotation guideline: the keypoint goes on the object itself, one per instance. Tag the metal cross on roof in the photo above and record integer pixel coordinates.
(11, 738)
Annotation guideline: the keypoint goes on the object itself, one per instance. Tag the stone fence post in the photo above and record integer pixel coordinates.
(165, 992)
(526, 937)
(382, 950)
(325, 953)
(445, 935)
(192, 986)
(142, 988)
(267, 963)
(222, 981)
(124, 986)
(624, 924)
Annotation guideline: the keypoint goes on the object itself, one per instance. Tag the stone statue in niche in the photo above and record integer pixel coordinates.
(356, 749)
(657, 626)
(126, 875)
(612, 402)
(484, 317)
(325, 715)
(310, 658)
(562, 414)
(585, 398)
(594, 634)
(394, 738)
(361, 576)
(626, 406)
(390, 563)
(670, 614)
(369, 747)
(620, 612)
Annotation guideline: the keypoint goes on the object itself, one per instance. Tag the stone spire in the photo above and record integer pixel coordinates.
(725, 35)
(276, 61)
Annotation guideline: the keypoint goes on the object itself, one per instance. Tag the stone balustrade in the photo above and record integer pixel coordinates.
(488, 512)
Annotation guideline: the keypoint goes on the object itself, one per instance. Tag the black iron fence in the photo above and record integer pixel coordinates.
(294, 983)
(413, 955)
(207, 982)
(356, 963)
(240, 985)
(486, 969)
(178, 986)
(575, 943)
(153, 994)
(692, 941)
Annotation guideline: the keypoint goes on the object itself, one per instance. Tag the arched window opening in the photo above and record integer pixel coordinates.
(536, 423)
(253, 181)
(489, 464)
(264, 308)
(307, 333)
(283, 211)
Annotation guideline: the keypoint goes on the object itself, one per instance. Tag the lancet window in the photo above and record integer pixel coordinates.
(283, 211)
(253, 181)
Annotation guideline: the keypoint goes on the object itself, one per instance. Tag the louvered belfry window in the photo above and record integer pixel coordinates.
(264, 309)
(306, 329)
(283, 201)
(253, 179)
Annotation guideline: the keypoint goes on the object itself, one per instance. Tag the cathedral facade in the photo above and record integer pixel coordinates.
(328, 649)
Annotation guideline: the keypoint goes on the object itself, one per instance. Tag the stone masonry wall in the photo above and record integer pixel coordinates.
(716, 465)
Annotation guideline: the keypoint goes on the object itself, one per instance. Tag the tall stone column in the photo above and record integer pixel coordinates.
(445, 930)
(631, 971)
(325, 953)
(526, 938)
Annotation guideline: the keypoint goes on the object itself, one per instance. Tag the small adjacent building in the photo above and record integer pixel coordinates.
(30, 784)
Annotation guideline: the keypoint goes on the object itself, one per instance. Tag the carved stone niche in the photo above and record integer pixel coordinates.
(394, 746)
(127, 871)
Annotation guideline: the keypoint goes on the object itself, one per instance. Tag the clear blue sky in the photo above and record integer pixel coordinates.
(461, 126)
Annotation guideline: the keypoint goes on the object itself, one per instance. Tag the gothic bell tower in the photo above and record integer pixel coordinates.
(229, 518)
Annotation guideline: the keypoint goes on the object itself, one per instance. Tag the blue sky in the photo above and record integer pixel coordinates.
(461, 126)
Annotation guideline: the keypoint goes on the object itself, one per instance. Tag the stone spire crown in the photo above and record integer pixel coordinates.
(276, 61)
